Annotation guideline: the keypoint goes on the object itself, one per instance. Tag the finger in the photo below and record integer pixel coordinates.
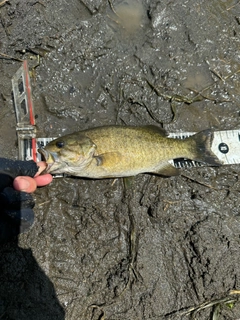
(43, 180)
(41, 167)
(25, 184)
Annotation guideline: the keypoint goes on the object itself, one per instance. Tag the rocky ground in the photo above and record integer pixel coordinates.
(166, 248)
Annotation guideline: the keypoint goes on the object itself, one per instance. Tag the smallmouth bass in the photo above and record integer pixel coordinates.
(124, 151)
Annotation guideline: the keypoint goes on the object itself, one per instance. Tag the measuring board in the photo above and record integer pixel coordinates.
(26, 130)
(225, 144)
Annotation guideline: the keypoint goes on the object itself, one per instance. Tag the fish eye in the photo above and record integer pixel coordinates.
(60, 144)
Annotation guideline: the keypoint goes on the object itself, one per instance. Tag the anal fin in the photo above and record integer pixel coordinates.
(167, 170)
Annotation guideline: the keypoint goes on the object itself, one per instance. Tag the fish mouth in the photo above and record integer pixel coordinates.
(50, 158)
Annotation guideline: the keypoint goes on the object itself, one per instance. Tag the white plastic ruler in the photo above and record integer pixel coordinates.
(225, 145)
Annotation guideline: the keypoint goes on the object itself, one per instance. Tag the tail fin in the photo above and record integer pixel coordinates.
(203, 143)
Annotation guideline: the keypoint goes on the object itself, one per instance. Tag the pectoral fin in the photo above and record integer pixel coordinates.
(167, 170)
(108, 159)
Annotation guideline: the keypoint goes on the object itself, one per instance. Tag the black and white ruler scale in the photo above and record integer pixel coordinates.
(225, 144)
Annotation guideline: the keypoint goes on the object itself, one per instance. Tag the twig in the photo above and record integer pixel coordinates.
(3, 2)
(111, 6)
(6, 56)
(234, 292)
(199, 182)
(234, 5)
(216, 74)
(208, 304)
(41, 204)
(232, 74)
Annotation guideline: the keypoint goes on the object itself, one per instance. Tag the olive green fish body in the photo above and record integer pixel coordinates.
(119, 151)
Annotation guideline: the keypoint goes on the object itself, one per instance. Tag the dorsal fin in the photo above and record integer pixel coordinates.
(156, 129)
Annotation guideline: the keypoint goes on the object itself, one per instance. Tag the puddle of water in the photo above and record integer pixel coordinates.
(197, 79)
(129, 15)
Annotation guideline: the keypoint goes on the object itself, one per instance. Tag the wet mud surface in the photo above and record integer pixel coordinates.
(164, 245)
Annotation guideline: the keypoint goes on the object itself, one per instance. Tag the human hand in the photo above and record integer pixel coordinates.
(28, 184)
(16, 214)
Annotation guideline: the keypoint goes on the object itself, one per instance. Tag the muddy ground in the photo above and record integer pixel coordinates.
(165, 245)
